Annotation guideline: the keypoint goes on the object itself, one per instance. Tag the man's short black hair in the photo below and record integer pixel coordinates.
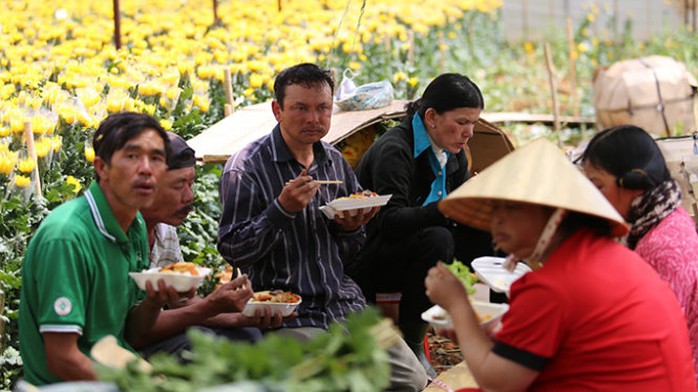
(117, 129)
(306, 74)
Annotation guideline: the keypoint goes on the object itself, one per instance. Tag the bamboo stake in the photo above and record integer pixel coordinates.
(229, 108)
(410, 50)
(524, 20)
(553, 87)
(216, 21)
(2, 321)
(31, 151)
(573, 68)
(442, 53)
(117, 25)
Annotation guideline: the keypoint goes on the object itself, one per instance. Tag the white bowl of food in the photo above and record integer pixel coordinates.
(183, 276)
(279, 301)
(363, 200)
(487, 313)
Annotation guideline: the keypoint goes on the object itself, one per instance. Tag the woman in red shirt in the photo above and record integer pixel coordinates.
(591, 316)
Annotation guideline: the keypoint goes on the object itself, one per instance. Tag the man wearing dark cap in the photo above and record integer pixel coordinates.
(173, 202)
(218, 312)
(75, 284)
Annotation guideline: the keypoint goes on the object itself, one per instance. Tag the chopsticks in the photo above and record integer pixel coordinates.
(329, 181)
(322, 182)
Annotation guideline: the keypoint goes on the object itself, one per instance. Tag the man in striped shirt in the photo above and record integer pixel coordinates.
(271, 226)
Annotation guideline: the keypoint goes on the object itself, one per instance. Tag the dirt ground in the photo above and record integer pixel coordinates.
(444, 353)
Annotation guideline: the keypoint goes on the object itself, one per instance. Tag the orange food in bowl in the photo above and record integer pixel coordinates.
(276, 296)
(181, 267)
(359, 195)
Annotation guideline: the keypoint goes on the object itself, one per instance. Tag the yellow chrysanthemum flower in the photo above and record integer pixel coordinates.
(42, 147)
(90, 154)
(399, 76)
(22, 181)
(256, 80)
(56, 143)
(26, 165)
(75, 183)
(529, 48)
(166, 124)
(8, 160)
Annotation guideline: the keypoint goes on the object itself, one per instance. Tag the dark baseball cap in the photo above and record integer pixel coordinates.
(181, 155)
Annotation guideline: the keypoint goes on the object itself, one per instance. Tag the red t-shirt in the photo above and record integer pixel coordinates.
(597, 317)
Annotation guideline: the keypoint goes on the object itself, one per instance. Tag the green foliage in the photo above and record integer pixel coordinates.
(199, 231)
(347, 358)
(18, 221)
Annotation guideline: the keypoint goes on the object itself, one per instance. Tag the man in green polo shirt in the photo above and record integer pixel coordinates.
(75, 283)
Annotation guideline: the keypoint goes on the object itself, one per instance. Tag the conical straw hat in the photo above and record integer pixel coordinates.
(538, 173)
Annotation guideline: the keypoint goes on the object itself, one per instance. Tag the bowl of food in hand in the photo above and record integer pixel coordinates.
(279, 301)
(363, 200)
(487, 314)
(183, 276)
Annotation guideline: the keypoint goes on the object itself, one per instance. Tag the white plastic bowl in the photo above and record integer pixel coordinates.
(490, 312)
(180, 282)
(276, 307)
(491, 271)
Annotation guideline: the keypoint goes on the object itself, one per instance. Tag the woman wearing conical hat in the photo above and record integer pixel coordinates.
(591, 316)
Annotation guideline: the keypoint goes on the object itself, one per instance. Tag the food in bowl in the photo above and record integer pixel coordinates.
(280, 301)
(359, 195)
(488, 314)
(180, 267)
(276, 296)
(183, 276)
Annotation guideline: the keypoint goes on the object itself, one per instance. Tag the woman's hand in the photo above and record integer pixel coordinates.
(444, 289)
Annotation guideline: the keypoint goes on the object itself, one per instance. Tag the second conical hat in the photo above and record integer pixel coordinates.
(538, 173)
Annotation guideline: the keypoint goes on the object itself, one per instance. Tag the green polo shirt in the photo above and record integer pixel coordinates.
(75, 278)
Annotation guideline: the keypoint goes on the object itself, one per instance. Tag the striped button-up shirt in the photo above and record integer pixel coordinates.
(301, 252)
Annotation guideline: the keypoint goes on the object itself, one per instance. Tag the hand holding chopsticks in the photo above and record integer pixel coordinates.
(298, 192)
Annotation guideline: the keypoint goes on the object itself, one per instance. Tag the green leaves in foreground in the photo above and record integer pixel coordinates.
(350, 357)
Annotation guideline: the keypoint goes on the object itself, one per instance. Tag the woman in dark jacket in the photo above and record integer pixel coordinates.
(419, 162)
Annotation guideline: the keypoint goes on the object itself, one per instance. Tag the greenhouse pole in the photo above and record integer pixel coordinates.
(31, 152)
(117, 25)
(573, 67)
(553, 86)
(216, 22)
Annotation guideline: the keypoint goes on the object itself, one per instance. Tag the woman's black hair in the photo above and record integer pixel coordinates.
(447, 92)
(630, 154)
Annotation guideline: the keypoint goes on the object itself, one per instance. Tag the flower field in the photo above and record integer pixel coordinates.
(61, 74)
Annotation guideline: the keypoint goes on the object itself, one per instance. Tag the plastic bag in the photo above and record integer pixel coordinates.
(346, 87)
(368, 96)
